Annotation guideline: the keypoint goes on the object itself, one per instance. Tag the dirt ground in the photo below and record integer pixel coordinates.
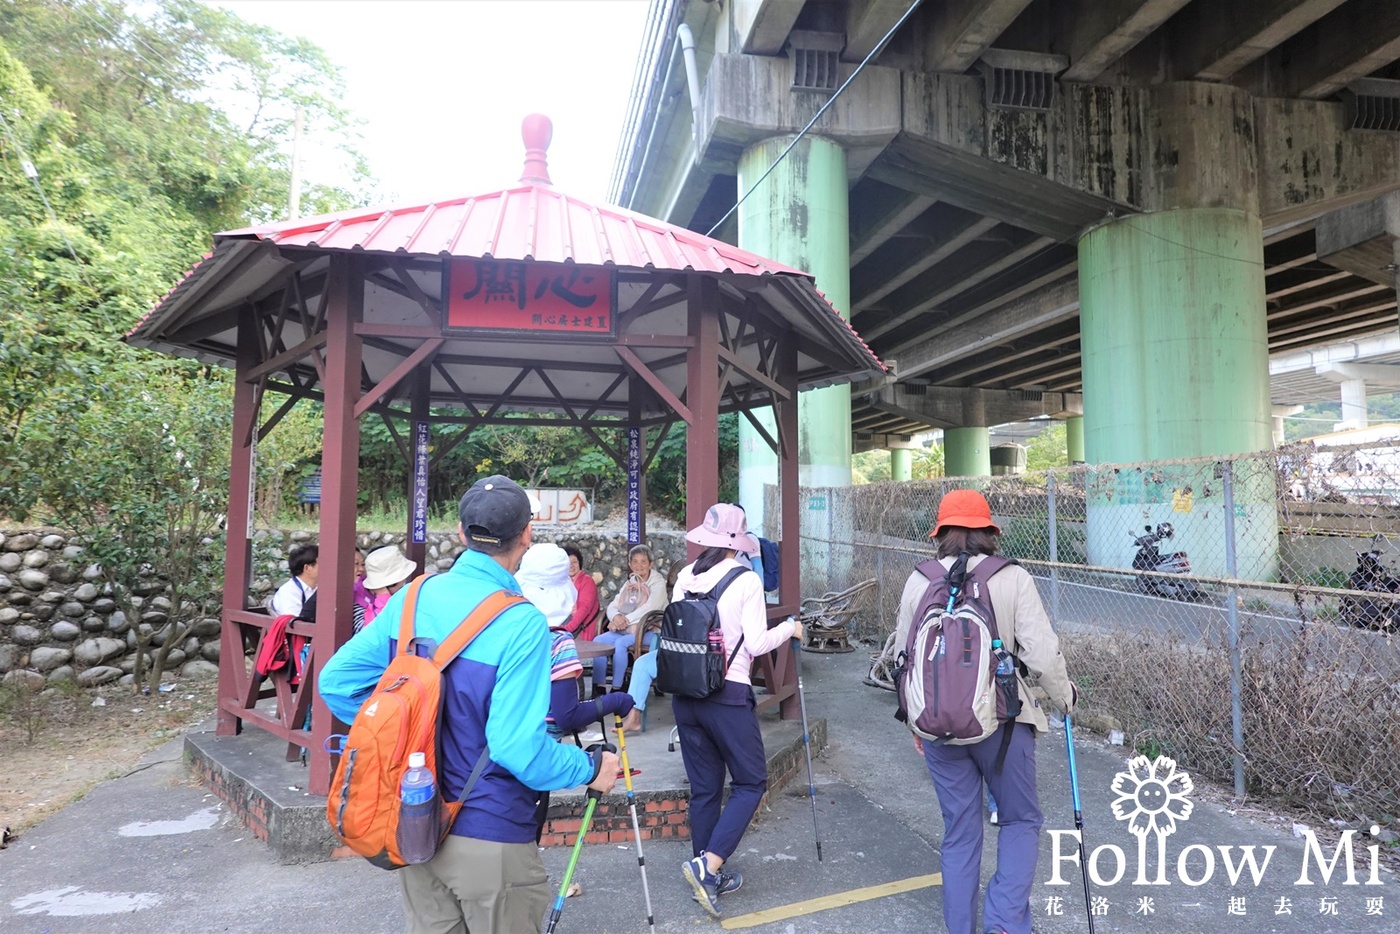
(84, 737)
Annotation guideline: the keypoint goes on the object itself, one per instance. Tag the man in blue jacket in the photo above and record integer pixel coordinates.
(487, 876)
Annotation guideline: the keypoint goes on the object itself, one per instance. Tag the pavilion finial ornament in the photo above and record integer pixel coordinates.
(536, 130)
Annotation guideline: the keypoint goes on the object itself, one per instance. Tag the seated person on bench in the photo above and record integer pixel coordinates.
(644, 591)
(544, 580)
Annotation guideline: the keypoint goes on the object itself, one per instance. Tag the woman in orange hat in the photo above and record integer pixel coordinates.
(1005, 760)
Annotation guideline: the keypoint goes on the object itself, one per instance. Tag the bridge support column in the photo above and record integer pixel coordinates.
(1074, 439)
(799, 215)
(901, 464)
(1174, 343)
(967, 452)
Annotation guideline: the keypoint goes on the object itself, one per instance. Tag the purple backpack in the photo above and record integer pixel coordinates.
(947, 676)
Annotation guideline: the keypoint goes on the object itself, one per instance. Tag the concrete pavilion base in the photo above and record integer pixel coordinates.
(250, 774)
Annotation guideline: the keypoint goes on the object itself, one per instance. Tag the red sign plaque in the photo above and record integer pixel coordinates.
(505, 295)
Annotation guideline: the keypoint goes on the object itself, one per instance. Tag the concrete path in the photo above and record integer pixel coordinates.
(152, 852)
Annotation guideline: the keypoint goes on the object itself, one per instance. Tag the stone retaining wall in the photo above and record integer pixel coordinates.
(58, 621)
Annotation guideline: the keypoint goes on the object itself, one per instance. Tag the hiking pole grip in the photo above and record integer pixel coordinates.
(1073, 773)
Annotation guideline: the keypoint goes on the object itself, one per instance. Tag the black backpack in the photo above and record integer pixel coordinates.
(690, 658)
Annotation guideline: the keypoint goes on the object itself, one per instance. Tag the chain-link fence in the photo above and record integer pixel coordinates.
(1236, 614)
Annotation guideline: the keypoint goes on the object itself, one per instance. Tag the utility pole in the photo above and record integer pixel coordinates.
(294, 188)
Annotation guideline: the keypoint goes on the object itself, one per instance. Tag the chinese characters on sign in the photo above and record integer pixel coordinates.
(501, 295)
(634, 485)
(420, 482)
(1237, 905)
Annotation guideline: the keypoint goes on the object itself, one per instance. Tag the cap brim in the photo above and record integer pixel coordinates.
(964, 522)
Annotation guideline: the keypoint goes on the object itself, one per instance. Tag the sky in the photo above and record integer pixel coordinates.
(442, 85)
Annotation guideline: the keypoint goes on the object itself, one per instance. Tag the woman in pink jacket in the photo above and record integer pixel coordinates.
(721, 731)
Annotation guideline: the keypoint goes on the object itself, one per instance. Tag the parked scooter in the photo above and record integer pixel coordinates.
(1150, 558)
(1373, 577)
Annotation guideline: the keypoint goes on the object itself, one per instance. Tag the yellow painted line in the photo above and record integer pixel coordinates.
(840, 899)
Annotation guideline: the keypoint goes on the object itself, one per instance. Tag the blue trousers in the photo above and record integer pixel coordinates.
(621, 642)
(717, 733)
(958, 774)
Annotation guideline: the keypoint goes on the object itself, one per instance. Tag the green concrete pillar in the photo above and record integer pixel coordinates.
(901, 464)
(1074, 438)
(1175, 351)
(799, 216)
(967, 452)
(1174, 338)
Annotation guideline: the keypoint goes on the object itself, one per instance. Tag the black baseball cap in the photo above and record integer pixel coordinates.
(495, 510)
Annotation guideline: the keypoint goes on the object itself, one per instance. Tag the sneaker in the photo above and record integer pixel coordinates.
(587, 737)
(704, 882)
(729, 882)
(992, 816)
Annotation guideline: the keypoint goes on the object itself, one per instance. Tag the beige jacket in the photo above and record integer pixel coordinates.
(1022, 625)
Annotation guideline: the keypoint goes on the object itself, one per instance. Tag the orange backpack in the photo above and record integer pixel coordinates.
(402, 716)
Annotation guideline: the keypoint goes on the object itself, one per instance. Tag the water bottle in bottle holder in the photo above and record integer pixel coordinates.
(420, 809)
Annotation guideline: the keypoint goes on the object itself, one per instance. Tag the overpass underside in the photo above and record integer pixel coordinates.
(1119, 208)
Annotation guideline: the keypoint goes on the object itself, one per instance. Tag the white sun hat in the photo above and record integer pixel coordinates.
(544, 580)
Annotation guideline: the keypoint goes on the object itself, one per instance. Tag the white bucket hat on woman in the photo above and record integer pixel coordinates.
(387, 566)
(725, 526)
(544, 580)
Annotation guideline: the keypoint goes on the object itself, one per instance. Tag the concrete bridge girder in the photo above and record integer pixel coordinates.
(963, 407)
(1099, 151)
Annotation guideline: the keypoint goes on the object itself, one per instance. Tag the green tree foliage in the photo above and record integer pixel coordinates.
(1048, 449)
(127, 461)
(928, 463)
(871, 467)
(129, 123)
(1318, 418)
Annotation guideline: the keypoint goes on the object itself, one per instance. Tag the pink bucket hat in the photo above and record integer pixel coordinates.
(725, 526)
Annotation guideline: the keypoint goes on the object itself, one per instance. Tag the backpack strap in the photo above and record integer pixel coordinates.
(484, 615)
(410, 610)
(468, 629)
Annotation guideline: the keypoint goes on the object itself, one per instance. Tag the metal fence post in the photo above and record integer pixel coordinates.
(1054, 548)
(1232, 611)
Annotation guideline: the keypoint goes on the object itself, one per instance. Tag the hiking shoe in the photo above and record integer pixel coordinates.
(729, 882)
(704, 882)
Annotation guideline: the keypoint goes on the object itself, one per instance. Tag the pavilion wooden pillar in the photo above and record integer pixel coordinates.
(238, 548)
(790, 553)
(636, 393)
(702, 399)
(339, 489)
(419, 397)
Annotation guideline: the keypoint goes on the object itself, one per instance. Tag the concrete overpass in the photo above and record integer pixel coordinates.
(1119, 207)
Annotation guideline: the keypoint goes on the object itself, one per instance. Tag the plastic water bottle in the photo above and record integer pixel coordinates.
(1006, 679)
(1005, 666)
(418, 812)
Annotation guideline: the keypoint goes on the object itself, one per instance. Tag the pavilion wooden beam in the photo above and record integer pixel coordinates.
(663, 391)
(702, 395)
(304, 349)
(733, 359)
(406, 366)
(339, 488)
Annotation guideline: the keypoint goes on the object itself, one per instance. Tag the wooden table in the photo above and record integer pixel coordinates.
(589, 650)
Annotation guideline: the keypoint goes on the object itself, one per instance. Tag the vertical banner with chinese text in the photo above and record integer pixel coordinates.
(420, 482)
(634, 485)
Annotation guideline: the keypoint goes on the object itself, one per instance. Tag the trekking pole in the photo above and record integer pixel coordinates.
(636, 825)
(806, 743)
(1078, 818)
(593, 797)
